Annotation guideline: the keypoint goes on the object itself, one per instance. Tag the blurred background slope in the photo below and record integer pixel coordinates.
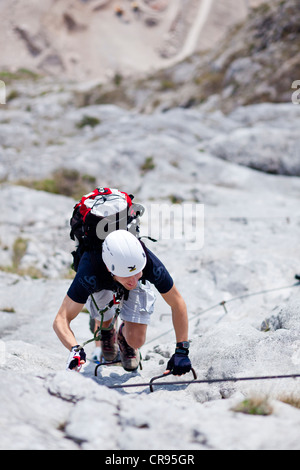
(155, 54)
(91, 39)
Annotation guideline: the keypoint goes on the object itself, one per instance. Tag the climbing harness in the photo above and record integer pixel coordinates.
(117, 299)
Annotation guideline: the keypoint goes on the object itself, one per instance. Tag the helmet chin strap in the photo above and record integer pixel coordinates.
(112, 275)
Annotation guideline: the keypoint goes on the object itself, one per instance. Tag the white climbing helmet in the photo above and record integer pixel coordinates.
(123, 254)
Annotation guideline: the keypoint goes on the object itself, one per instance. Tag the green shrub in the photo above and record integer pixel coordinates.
(19, 250)
(88, 121)
(148, 164)
(68, 182)
(254, 406)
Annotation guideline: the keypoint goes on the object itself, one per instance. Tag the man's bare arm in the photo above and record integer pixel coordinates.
(67, 312)
(179, 313)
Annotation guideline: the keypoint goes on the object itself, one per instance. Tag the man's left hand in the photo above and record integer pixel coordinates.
(179, 363)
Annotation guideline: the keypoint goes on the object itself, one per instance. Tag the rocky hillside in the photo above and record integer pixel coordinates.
(248, 258)
(235, 268)
(256, 62)
(97, 39)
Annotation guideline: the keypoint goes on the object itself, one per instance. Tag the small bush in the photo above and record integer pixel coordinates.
(20, 74)
(148, 165)
(68, 182)
(19, 250)
(175, 199)
(292, 400)
(88, 121)
(254, 406)
(8, 310)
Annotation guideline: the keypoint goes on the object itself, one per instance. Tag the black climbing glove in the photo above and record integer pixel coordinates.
(77, 355)
(179, 363)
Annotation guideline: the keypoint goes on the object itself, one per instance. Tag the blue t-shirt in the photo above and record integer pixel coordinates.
(92, 276)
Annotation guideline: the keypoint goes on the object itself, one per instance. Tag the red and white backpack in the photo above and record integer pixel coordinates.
(99, 213)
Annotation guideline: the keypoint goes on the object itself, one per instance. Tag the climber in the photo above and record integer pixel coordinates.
(119, 11)
(135, 7)
(125, 263)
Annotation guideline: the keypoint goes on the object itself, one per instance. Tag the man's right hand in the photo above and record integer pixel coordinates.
(77, 358)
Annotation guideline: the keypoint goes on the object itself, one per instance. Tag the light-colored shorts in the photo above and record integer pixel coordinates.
(136, 309)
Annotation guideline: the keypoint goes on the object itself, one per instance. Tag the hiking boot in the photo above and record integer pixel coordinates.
(130, 357)
(109, 344)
